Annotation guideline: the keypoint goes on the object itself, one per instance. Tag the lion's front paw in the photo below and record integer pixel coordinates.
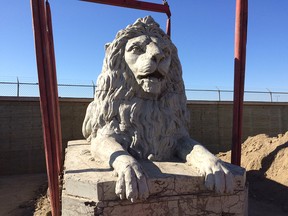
(218, 177)
(131, 183)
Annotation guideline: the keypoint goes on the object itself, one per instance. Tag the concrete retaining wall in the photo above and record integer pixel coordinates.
(211, 122)
(21, 139)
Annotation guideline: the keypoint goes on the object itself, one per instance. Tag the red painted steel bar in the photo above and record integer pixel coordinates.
(54, 89)
(239, 77)
(47, 100)
(162, 8)
(168, 26)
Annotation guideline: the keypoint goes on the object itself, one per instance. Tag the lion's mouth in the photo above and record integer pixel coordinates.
(156, 75)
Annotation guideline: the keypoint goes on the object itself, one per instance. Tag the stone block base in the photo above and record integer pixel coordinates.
(175, 189)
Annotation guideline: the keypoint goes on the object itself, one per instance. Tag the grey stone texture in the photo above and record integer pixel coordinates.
(175, 189)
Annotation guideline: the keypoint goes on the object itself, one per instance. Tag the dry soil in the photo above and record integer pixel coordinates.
(266, 161)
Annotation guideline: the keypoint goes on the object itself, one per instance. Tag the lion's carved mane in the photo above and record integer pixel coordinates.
(146, 126)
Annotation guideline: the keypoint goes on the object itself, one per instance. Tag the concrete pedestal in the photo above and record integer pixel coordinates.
(175, 189)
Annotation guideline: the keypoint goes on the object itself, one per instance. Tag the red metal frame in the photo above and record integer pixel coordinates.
(49, 104)
(239, 77)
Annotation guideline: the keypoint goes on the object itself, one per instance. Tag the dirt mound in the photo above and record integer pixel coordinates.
(266, 154)
(266, 161)
(42, 206)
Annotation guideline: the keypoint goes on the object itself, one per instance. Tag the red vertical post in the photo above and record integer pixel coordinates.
(168, 26)
(48, 102)
(54, 88)
(239, 77)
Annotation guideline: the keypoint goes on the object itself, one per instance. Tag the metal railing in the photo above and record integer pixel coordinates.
(30, 89)
(227, 95)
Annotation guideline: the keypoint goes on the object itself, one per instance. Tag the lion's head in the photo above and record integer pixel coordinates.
(140, 98)
(149, 59)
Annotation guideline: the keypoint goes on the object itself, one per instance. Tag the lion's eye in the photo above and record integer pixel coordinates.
(137, 49)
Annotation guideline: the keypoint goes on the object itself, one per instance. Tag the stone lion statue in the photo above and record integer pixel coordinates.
(139, 112)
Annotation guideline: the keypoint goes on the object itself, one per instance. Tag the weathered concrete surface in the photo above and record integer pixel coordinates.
(175, 189)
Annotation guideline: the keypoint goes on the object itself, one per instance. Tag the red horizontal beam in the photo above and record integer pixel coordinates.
(141, 5)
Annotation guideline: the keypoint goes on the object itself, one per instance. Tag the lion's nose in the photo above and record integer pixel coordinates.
(156, 53)
(157, 57)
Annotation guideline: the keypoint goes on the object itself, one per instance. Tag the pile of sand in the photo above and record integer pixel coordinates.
(266, 161)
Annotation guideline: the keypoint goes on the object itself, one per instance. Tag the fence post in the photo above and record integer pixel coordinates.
(219, 93)
(271, 98)
(18, 86)
(94, 86)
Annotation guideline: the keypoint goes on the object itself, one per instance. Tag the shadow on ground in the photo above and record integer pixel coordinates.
(267, 191)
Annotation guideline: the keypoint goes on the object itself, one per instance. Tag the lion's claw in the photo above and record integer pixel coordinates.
(131, 183)
(218, 178)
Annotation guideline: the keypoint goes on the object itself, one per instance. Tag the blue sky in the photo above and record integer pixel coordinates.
(202, 30)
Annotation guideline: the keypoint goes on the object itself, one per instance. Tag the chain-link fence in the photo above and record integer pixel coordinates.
(30, 89)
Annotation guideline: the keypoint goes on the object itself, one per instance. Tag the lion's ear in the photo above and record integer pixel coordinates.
(106, 46)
